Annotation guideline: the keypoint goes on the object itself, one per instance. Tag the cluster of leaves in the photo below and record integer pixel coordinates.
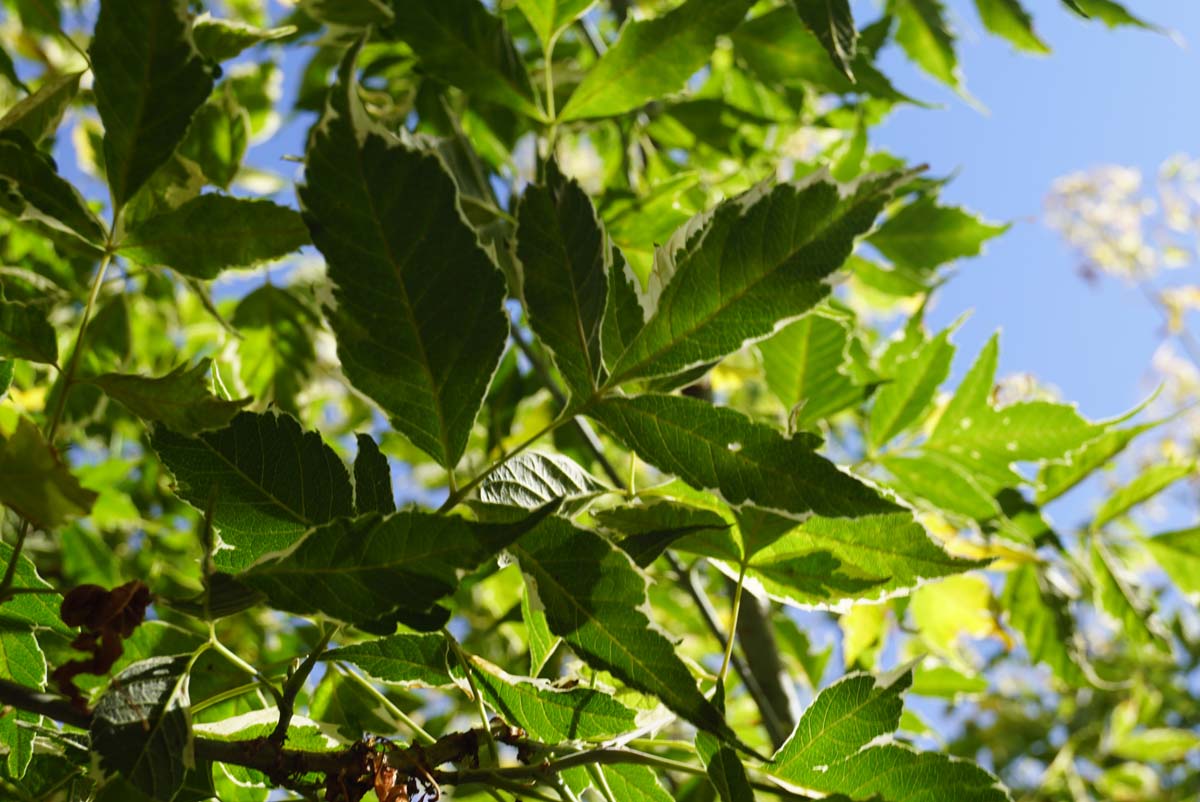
(548, 238)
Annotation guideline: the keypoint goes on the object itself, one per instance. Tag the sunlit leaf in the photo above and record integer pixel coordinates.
(36, 483)
(181, 400)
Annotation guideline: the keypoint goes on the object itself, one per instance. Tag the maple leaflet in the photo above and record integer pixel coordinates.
(523, 442)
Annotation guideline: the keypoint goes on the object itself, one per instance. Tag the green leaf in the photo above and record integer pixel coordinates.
(38, 115)
(39, 611)
(722, 764)
(550, 714)
(467, 46)
(343, 702)
(562, 250)
(1156, 745)
(623, 317)
(916, 366)
(779, 48)
(1179, 555)
(946, 682)
(925, 37)
(548, 18)
(217, 138)
(988, 439)
(211, 233)
(21, 661)
(825, 561)
(141, 727)
(948, 485)
(812, 366)
(410, 660)
(721, 449)
(1009, 19)
(25, 333)
(831, 752)
(1040, 614)
(924, 235)
(1057, 478)
(180, 400)
(1119, 599)
(150, 79)
(35, 483)
(542, 642)
(1148, 484)
(350, 13)
(634, 783)
(31, 189)
(532, 479)
(594, 599)
(372, 479)
(419, 317)
(755, 262)
(1111, 13)
(652, 58)
(277, 350)
(6, 375)
(648, 530)
(9, 70)
(269, 482)
(363, 569)
(833, 24)
(223, 39)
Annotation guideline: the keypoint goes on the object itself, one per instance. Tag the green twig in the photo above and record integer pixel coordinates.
(484, 719)
(291, 688)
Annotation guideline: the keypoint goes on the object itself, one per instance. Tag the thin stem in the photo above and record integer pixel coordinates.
(223, 696)
(291, 688)
(484, 719)
(419, 732)
(229, 655)
(732, 636)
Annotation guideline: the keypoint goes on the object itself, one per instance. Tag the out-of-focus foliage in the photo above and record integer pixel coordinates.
(372, 369)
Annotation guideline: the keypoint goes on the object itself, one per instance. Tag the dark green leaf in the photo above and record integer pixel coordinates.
(594, 599)
(372, 479)
(6, 375)
(223, 39)
(833, 24)
(180, 400)
(350, 13)
(724, 767)
(38, 115)
(924, 235)
(269, 482)
(9, 70)
(150, 79)
(26, 334)
(224, 596)
(648, 530)
(407, 659)
(141, 727)
(926, 38)
(550, 714)
(465, 45)
(210, 233)
(363, 569)
(623, 317)
(737, 273)
(35, 483)
(717, 448)
(562, 251)
(419, 316)
(31, 189)
(652, 58)
(39, 611)
(1008, 18)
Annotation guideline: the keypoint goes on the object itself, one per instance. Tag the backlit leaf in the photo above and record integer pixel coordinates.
(181, 400)
(223, 39)
(833, 24)
(1148, 484)
(916, 368)
(26, 334)
(757, 261)
(924, 235)
(926, 38)
(420, 660)
(418, 315)
(1179, 555)
(277, 350)
(35, 483)
(269, 482)
(549, 17)
(1120, 599)
(1008, 18)
(653, 57)
(1040, 614)
(150, 79)
(594, 598)
(38, 115)
(31, 189)
(562, 250)
(211, 233)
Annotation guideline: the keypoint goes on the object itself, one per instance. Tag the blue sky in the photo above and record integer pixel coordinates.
(1124, 97)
